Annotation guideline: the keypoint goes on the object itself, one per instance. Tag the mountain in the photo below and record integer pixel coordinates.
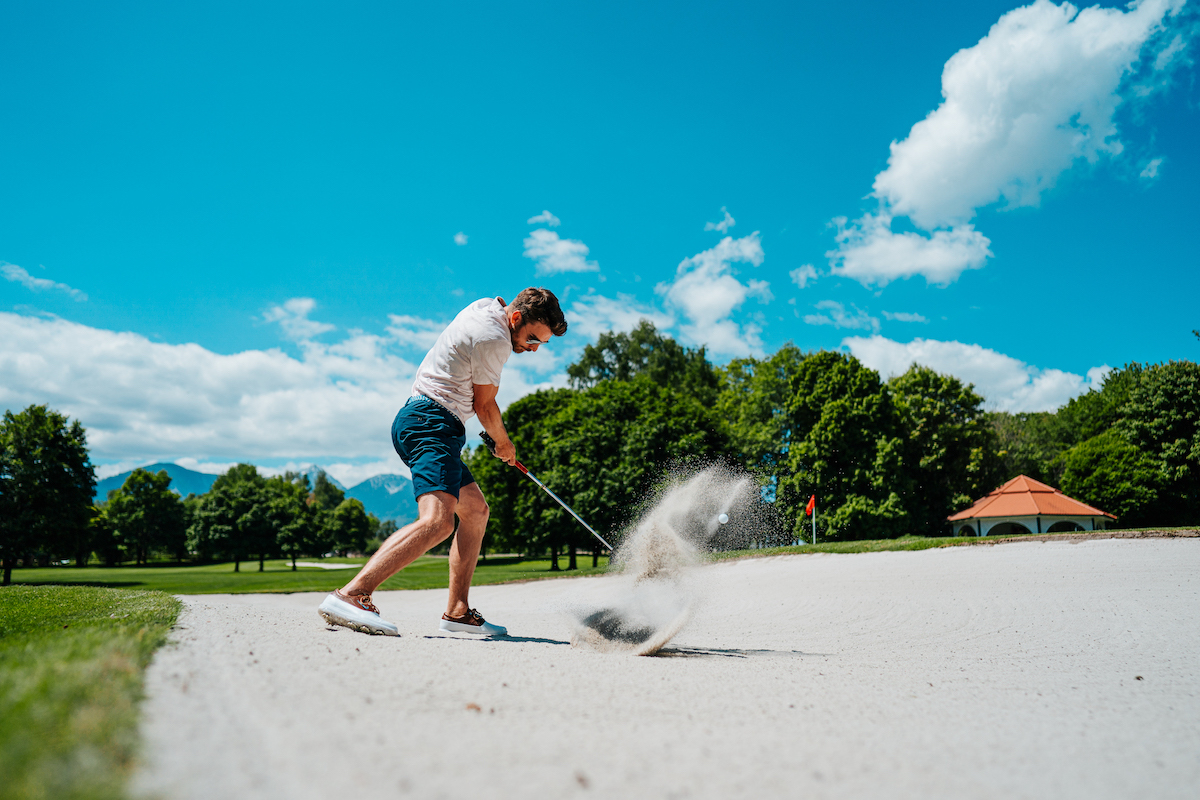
(183, 481)
(387, 497)
(312, 470)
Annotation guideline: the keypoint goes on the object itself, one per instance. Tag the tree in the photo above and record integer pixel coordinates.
(105, 542)
(1098, 410)
(46, 486)
(349, 527)
(949, 448)
(1162, 419)
(1027, 444)
(603, 450)
(147, 515)
(754, 400)
(232, 519)
(326, 493)
(847, 448)
(291, 516)
(644, 351)
(1109, 472)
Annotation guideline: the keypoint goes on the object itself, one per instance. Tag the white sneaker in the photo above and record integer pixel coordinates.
(356, 612)
(471, 622)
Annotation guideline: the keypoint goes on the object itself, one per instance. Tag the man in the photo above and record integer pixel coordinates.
(457, 380)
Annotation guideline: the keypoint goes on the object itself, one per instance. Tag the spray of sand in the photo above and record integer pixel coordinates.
(659, 587)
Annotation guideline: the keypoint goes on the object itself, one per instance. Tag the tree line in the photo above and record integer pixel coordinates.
(883, 457)
(48, 513)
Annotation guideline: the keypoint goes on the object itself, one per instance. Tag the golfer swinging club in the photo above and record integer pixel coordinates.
(457, 380)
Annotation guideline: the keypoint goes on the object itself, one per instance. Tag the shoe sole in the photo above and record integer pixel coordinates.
(356, 626)
(460, 627)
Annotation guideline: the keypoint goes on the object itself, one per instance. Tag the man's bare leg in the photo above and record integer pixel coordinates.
(464, 552)
(434, 524)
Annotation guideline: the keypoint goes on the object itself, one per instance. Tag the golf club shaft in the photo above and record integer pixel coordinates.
(491, 445)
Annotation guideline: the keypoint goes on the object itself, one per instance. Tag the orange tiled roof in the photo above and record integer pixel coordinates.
(1025, 497)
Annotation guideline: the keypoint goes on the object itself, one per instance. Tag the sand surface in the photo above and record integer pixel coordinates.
(967, 672)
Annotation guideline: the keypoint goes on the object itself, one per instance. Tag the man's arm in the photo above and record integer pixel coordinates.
(489, 416)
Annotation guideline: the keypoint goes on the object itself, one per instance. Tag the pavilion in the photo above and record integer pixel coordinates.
(1024, 505)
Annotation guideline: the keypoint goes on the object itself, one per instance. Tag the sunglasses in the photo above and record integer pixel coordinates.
(532, 340)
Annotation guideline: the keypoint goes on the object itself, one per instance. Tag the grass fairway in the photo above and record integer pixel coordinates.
(427, 572)
(860, 546)
(71, 663)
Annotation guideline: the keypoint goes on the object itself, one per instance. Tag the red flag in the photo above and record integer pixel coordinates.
(812, 503)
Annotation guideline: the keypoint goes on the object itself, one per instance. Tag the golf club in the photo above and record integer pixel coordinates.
(491, 445)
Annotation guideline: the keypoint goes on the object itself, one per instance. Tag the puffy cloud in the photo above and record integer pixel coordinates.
(415, 333)
(904, 316)
(144, 399)
(723, 225)
(803, 274)
(460, 238)
(1006, 383)
(707, 291)
(871, 253)
(554, 255)
(595, 314)
(1031, 99)
(837, 317)
(544, 218)
(1035, 95)
(1150, 171)
(20, 275)
(292, 317)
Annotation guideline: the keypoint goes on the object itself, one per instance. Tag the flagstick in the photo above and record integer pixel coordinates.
(814, 523)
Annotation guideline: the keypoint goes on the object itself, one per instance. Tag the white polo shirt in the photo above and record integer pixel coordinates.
(473, 349)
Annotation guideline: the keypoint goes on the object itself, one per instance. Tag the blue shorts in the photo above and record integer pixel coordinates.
(430, 440)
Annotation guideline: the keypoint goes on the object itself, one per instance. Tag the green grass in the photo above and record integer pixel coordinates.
(862, 546)
(71, 665)
(427, 572)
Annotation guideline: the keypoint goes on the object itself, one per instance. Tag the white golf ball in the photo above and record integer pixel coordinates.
(723, 519)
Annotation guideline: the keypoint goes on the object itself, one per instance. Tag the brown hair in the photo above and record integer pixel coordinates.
(540, 305)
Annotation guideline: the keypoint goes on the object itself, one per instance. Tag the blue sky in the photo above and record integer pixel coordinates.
(228, 232)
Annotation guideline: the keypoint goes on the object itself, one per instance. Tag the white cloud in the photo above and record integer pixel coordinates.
(144, 401)
(460, 238)
(803, 274)
(1034, 97)
(706, 291)
(207, 467)
(1006, 383)
(871, 253)
(595, 314)
(904, 316)
(1150, 172)
(554, 255)
(723, 225)
(292, 317)
(415, 333)
(544, 218)
(147, 400)
(837, 317)
(20, 275)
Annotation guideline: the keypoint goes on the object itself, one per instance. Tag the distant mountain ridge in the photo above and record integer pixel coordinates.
(385, 496)
(184, 481)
